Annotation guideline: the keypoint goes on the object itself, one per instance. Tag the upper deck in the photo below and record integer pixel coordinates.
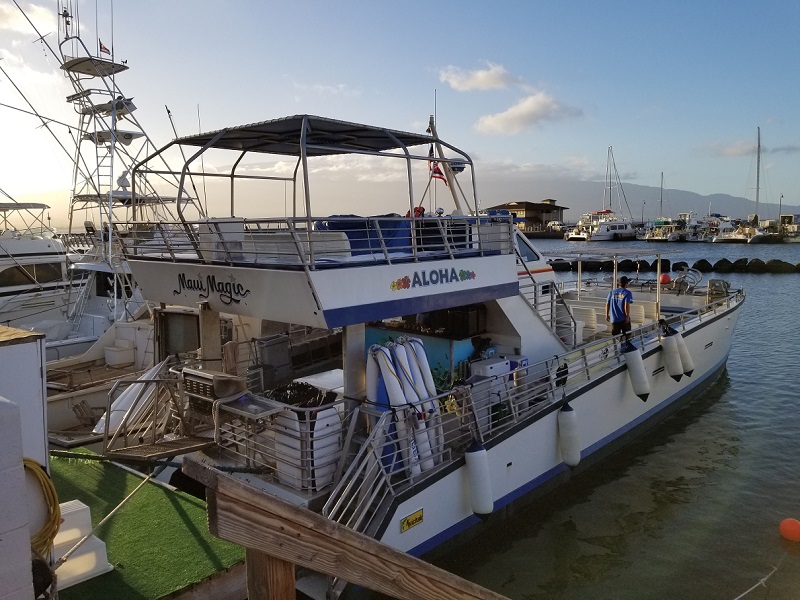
(344, 270)
(324, 271)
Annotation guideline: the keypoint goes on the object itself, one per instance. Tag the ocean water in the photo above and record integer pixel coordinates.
(691, 510)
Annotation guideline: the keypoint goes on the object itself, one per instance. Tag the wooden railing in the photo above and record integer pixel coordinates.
(278, 535)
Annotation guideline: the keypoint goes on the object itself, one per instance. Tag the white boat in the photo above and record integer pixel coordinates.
(35, 283)
(790, 227)
(605, 225)
(103, 330)
(471, 376)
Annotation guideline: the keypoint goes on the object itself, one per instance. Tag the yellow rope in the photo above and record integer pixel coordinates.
(43, 539)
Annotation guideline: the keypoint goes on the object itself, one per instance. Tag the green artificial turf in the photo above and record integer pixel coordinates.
(158, 542)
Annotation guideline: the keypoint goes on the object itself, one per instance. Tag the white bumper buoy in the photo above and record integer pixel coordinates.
(480, 480)
(568, 441)
(672, 357)
(686, 358)
(636, 370)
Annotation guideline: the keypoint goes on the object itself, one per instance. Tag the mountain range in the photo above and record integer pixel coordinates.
(638, 202)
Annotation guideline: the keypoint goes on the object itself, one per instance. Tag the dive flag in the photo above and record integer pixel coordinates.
(103, 49)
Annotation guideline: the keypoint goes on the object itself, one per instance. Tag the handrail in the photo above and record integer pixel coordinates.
(332, 242)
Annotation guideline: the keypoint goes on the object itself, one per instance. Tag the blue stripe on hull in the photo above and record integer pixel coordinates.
(360, 313)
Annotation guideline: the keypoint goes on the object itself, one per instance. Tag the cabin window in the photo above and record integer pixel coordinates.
(30, 274)
(525, 250)
(47, 272)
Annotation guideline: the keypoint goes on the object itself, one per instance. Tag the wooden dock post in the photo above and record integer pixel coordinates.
(279, 535)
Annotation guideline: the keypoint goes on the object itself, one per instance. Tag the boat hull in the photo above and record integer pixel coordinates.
(527, 460)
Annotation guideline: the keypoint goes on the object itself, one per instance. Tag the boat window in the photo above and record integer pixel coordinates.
(16, 276)
(28, 274)
(525, 250)
(46, 272)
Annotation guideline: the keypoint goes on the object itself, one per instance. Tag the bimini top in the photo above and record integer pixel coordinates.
(6, 207)
(323, 137)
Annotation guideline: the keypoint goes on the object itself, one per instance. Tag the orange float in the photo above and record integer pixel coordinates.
(664, 279)
(790, 529)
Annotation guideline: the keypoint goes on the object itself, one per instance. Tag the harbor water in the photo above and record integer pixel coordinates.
(692, 509)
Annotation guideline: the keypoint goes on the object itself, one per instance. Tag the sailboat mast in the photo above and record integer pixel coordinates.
(609, 184)
(661, 197)
(758, 169)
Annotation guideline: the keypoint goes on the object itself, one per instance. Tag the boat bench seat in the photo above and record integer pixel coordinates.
(588, 316)
(639, 315)
(283, 245)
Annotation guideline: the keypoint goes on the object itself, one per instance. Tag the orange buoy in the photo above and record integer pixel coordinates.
(664, 279)
(790, 529)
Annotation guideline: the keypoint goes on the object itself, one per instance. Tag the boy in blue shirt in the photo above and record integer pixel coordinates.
(618, 307)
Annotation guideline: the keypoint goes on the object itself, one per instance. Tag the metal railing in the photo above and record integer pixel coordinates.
(334, 241)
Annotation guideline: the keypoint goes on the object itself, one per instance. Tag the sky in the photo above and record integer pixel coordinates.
(534, 91)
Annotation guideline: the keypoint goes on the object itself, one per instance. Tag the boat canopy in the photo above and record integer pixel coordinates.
(6, 207)
(323, 137)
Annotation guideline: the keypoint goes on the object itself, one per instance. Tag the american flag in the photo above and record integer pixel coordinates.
(103, 48)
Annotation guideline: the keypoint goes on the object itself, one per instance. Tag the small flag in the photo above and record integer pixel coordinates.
(103, 48)
(436, 172)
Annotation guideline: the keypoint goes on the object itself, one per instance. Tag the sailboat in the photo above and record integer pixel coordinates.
(604, 225)
(663, 229)
(750, 230)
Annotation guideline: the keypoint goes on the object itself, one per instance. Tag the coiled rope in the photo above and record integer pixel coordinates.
(42, 540)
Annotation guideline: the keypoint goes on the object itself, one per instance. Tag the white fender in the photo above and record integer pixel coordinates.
(636, 370)
(672, 357)
(408, 448)
(568, 439)
(416, 413)
(480, 479)
(686, 358)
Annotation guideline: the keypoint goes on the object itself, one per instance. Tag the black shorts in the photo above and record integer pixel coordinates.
(620, 327)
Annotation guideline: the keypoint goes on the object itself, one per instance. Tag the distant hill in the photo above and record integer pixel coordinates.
(583, 196)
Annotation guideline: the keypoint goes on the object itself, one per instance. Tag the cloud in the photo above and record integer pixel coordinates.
(790, 149)
(493, 77)
(738, 148)
(742, 148)
(527, 113)
(11, 19)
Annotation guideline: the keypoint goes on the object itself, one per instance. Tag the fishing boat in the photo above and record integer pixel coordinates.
(35, 283)
(103, 329)
(99, 289)
(470, 375)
